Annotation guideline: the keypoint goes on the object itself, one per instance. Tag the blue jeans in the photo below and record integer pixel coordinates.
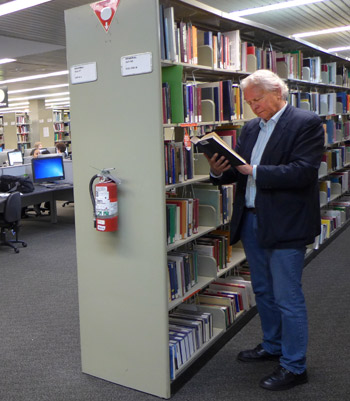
(276, 280)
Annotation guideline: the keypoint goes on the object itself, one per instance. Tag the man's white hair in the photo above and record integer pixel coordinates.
(267, 80)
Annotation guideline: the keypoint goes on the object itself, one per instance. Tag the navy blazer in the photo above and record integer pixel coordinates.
(287, 197)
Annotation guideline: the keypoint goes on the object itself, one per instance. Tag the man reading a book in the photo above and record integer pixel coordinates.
(276, 214)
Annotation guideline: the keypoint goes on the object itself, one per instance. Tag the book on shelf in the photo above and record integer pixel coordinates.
(188, 336)
(235, 296)
(185, 275)
(212, 299)
(169, 32)
(212, 247)
(193, 325)
(182, 207)
(203, 320)
(337, 216)
(173, 75)
(233, 287)
(247, 284)
(212, 143)
(234, 49)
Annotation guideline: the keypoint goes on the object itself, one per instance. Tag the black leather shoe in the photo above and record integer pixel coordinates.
(257, 354)
(283, 379)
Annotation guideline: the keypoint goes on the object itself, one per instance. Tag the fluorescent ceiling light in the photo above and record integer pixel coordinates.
(39, 96)
(7, 60)
(17, 5)
(58, 105)
(338, 49)
(322, 32)
(39, 88)
(32, 77)
(14, 109)
(19, 104)
(67, 99)
(272, 7)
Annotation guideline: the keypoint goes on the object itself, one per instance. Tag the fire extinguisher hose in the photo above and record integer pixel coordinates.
(92, 196)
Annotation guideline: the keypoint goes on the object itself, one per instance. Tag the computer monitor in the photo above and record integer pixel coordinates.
(48, 169)
(15, 157)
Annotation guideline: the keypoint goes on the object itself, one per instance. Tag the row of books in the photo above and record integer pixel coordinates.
(183, 213)
(328, 73)
(321, 103)
(183, 42)
(179, 162)
(64, 127)
(342, 178)
(22, 138)
(336, 131)
(336, 158)
(332, 218)
(61, 115)
(22, 129)
(182, 218)
(182, 273)
(189, 330)
(61, 136)
(255, 58)
(236, 289)
(214, 246)
(221, 198)
(233, 295)
(293, 65)
(183, 263)
(192, 325)
(223, 100)
(194, 102)
(337, 183)
(23, 119)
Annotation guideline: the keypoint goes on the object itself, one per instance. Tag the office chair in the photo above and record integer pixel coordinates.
(9, 220)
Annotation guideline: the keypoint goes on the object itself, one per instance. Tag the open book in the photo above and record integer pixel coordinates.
(212, 143)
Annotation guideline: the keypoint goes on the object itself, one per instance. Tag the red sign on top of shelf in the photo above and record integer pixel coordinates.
(105, 11)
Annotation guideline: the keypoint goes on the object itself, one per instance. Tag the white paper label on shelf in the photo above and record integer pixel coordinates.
(135, 64)
(82, 73)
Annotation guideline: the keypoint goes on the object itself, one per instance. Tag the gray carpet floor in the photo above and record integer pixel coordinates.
(39, 329)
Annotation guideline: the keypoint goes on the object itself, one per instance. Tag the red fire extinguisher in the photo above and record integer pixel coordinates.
(104, 198)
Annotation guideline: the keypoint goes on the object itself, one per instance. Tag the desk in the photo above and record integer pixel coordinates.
(42, 194)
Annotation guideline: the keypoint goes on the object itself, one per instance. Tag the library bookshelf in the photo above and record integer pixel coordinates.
(122, 276)
(23, 130)
(61, 126)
